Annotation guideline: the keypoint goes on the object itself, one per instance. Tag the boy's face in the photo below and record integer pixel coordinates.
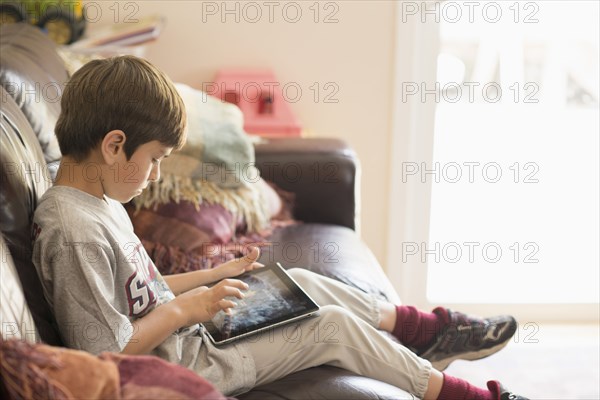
(128, 178)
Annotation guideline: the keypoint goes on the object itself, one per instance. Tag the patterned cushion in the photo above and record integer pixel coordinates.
(39, 371)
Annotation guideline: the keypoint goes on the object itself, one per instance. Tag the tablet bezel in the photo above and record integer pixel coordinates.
(311, 306)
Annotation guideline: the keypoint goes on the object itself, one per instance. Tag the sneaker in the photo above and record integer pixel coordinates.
(467, 338)
(503, 394)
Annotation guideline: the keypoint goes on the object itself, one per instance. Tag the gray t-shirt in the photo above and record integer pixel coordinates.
(98, 278)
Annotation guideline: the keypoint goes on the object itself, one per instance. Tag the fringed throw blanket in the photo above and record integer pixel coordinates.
(216, 165)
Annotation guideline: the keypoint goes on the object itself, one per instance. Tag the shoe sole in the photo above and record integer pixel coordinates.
(472, 356)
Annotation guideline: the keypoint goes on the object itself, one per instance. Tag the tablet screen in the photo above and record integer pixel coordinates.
(272, 298)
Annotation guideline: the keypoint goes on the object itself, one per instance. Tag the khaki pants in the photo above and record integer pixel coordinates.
(344, 335)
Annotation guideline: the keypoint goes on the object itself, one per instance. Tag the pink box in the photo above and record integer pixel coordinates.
(259, 95)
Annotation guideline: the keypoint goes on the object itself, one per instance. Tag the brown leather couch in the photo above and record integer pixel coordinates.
(321, 172)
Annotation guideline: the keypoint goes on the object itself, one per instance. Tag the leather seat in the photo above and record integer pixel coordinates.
(24, 178)
(330, 250)
(15, 317)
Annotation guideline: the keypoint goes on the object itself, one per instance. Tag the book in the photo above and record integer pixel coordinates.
(125, 34)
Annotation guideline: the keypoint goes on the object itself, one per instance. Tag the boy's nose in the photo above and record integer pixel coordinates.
(154, 174)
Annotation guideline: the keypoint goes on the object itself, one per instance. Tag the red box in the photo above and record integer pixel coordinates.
(260, 97)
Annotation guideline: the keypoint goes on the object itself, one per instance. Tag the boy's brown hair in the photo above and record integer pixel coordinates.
(120, 93)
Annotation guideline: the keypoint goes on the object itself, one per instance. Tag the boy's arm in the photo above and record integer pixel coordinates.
(180, 283)
(183, 282)
(192, 307)
(153, 329)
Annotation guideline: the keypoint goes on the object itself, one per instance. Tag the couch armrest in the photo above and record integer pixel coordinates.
(323, 174)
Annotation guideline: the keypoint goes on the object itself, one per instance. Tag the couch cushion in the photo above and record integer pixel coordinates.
(24, 179)
(326, 382)
(330, 250)
(323, 174)
(15, 317)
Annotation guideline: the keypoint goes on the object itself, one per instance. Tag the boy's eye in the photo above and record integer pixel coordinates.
(155, 161)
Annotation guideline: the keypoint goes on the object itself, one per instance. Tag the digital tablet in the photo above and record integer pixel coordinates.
(272, 299)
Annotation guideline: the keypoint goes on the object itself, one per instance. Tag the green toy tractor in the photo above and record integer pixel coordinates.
(64, 20)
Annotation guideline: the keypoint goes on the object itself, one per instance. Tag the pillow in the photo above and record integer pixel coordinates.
(150, 377)
(39, 371)
(215, 166)
(176, 245)
(185, 225)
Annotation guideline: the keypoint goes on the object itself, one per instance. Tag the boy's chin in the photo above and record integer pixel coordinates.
(125, 198)
(131, 197)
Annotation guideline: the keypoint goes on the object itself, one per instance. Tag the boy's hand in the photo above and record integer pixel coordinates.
(239, 265)
(203, 303)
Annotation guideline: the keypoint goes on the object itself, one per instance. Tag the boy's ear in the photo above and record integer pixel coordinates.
(112, 146)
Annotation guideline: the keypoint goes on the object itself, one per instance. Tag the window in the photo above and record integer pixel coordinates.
(514, 175)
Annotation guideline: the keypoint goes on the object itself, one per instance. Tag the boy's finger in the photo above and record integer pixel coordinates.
(231, 291)
(247, 259)
(234, 283)
(252, 255)
(255, 265)
(247, 248)
(225, 305)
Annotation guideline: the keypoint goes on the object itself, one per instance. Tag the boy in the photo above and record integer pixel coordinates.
(120, 117)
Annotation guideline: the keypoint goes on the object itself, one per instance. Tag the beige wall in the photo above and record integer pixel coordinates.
(355, 54)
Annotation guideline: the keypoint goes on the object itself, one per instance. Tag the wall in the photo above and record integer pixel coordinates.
(354, 53)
